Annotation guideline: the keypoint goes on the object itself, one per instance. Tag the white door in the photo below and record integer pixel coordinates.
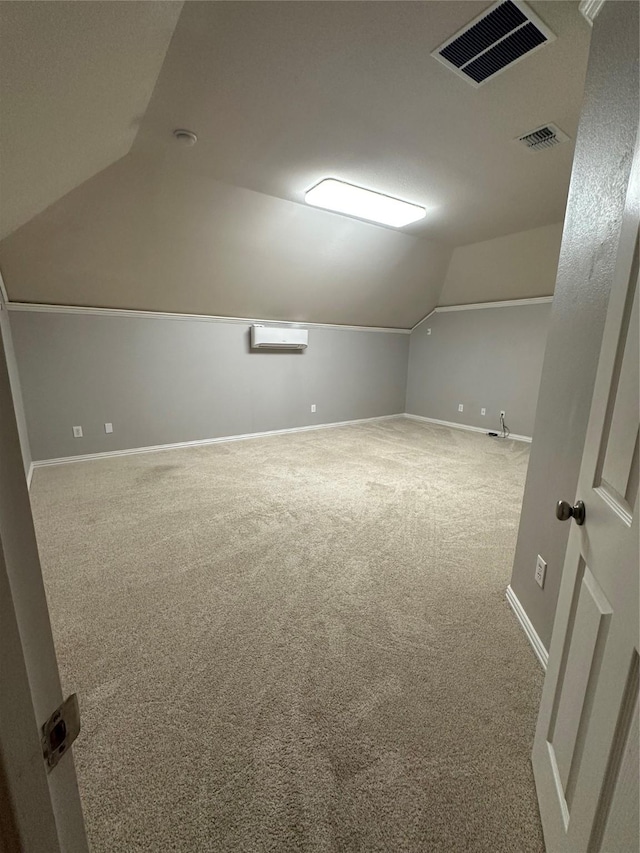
(40, 812)
(585, 754)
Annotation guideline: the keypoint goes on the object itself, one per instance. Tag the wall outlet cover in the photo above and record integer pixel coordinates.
(313, 407)
(108, 428)
(77, 432)
(428, 331)
(483, 411)
(460, 407)
(541, 571)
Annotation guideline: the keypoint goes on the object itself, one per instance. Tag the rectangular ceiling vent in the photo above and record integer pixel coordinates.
(543, 137)
(501, 36)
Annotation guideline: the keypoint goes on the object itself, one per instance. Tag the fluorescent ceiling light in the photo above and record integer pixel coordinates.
(365, 204)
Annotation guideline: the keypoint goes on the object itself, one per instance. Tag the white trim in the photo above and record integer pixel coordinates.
(167, 315)
(87, 457)
(420, 322)
(590, 9)
(532, 635)
(474, 306)
(30, 475)
(466, 427)
(4, 296)
(505, 303)
(214, 318)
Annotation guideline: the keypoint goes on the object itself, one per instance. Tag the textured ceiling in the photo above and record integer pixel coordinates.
(284, 94)
(75, 80)
(281, 94)
(139, 235)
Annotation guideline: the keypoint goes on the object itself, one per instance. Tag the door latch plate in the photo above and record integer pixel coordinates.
(60, 731)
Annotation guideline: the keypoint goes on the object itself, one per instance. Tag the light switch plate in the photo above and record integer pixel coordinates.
(108, 428)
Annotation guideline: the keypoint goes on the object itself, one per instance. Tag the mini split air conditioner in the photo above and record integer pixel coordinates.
(278, 337)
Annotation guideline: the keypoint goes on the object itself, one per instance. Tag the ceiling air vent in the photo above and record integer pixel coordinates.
(543, 137)
(505, 33)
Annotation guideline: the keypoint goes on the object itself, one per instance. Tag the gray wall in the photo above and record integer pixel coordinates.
(168, 380)
(483, 358)
(6, 341)
(604, 150)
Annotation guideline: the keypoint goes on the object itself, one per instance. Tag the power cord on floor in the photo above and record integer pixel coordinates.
(505, 432)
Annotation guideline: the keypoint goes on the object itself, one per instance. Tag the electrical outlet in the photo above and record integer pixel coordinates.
(503, 414)
(313, 407)
(541, 571)
(460, 407)
(77, 432)
(108, 428)
(428, 331)
(483, 411)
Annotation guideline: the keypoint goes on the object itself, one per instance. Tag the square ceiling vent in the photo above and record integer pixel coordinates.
(494, 41)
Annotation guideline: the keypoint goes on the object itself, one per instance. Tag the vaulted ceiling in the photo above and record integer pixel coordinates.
(281, 94)
(75, 82)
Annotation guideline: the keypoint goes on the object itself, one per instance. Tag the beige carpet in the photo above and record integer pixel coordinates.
(297, 643)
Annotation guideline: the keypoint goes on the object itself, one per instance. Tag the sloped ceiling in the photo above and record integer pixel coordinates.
(282, 94)
(75, 81)
(142, 236)
(285, 94)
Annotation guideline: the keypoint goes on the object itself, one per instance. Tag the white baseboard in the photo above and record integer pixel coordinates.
(86, 457)
(30, 475)
(532, 635)
(483, 430)
(107, 454)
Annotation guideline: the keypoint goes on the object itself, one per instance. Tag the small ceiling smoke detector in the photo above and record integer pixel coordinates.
(543, 137)
(185, 137)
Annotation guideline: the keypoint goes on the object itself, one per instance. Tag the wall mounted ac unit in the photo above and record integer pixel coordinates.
(278, 337)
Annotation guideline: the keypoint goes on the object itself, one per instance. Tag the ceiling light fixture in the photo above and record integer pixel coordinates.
(335, 195)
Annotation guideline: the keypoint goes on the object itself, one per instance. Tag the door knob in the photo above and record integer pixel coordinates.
(565, 511)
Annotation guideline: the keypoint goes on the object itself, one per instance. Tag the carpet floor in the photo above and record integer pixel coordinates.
(297, 643)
